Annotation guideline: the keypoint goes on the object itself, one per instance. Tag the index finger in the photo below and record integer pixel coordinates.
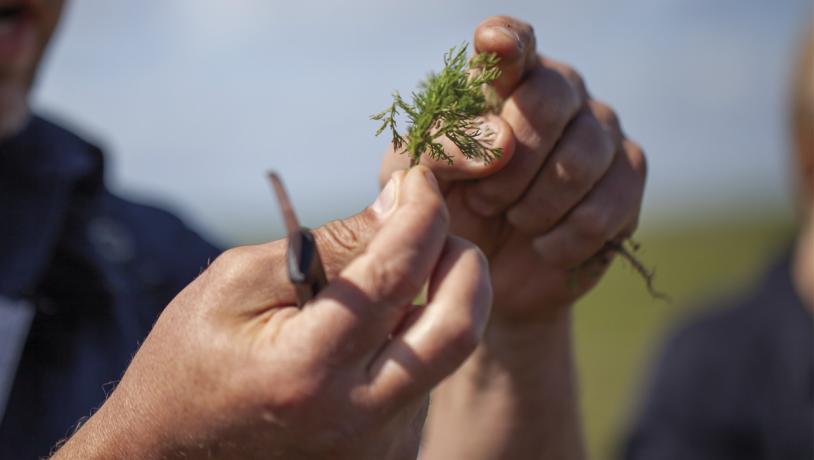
(514, 43)
(358, 310)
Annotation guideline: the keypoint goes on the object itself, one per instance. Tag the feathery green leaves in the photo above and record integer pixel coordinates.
(446, 104)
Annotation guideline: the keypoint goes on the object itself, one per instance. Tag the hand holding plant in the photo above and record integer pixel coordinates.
(553, 191)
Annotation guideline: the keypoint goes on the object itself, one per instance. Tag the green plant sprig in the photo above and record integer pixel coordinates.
(447, 104)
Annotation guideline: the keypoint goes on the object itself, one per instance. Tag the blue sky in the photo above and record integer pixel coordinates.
(195, 99)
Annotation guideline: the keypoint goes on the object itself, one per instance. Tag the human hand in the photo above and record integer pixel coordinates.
(569, 181)
(233, 369)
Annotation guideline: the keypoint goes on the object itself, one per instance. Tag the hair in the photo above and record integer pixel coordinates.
(802, 120)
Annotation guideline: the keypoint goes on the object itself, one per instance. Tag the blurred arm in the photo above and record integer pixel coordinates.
(514, 398)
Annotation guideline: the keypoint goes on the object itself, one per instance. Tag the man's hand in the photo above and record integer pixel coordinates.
(568, 182)
(233, 369)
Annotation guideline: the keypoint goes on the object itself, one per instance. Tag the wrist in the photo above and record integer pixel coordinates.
(529, 316)
(520, 382)
(109, 433)
(528, 334)
(523, 354)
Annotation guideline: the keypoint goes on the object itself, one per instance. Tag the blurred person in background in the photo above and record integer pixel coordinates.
(738, 382)
(232, 369)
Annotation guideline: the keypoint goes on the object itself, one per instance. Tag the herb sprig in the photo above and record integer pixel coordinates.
(447, 104)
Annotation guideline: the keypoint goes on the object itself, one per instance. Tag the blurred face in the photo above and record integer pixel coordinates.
(25, 28)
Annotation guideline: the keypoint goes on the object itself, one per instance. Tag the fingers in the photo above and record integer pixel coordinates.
(442, 334)
(253, 279)
(340, 241)
(499, 135)
(514, 43)
(609, 211)
(357, 310)
(579, 160)
(538, 112)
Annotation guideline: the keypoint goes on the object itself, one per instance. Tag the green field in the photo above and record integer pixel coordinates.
(619, 327)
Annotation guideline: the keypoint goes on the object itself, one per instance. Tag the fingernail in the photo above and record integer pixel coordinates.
(511, 33)
(387, 198)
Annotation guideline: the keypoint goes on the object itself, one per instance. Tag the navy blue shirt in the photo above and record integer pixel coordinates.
(736, 383)
(83, 276)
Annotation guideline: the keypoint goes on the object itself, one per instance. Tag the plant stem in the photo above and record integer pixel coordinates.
(648, 275)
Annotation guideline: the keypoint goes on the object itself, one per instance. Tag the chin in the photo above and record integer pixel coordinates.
(26, 27)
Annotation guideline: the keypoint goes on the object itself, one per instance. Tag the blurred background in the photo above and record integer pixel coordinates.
(195, 99)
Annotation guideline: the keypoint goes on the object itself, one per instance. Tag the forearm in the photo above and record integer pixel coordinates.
(515, 397)
(110, 433)
(91, 441)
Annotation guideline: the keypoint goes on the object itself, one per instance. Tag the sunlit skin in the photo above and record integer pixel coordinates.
(26, 27)
(569, 181)
(590, 193)
(232, 370)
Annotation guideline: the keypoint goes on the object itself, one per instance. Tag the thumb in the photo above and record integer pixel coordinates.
(494, 130)
(243, 273)
(341, 240)
(514, 43)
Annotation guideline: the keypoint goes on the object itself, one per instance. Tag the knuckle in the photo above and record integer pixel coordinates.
(557, 100)
(590, 223)
(463, 337)
(299, 392)
(489, 199)
(637, 157)
(232, 263)
(570, 74)
(526, 217)
(297, 397)
(339, 241)
(341, 236)
(392, 279)
(581, 160)
(575, 78)
(538, 210)
(568, 98)
(573, 167)
(606, 114)
(599, 141)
